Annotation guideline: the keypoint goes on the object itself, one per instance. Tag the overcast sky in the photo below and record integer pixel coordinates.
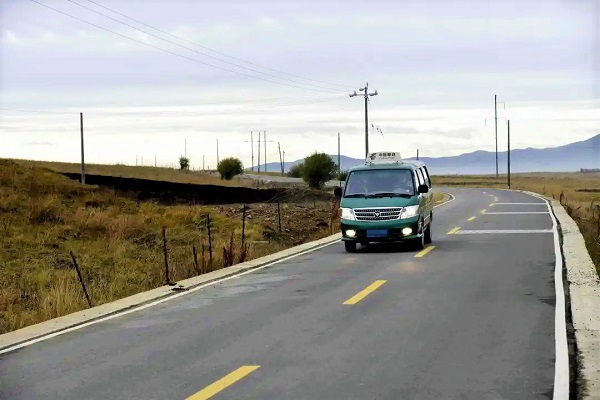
(287, 67)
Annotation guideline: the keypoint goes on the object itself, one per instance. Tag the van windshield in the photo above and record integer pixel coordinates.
(380, 182)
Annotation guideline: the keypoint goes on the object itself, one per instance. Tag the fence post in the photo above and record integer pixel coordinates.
(203, 267)
(196, 260)
(243, 225)
(81, 279)
(279, 215)
(210, 248)
(165, 251)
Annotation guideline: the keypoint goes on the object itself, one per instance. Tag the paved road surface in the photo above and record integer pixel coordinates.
(471, 319)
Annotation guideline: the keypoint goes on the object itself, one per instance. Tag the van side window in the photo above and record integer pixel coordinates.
(427, 177)
(420, 176)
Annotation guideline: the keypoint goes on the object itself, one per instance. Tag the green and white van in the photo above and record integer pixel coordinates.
(386, 200)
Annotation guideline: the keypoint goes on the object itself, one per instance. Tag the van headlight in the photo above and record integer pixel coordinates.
(348, 213)
(409, 212)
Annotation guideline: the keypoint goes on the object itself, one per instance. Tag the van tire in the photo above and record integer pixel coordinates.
(350, 247)
(427, 234)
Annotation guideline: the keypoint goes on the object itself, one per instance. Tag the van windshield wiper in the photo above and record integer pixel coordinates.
(357, 195)
(389, 194)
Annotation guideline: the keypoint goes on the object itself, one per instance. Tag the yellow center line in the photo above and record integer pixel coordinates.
(454, 230)
(424, 251)
(492, 205)
(471, 219)
(224, 382)
(483, 211)
(365, 292)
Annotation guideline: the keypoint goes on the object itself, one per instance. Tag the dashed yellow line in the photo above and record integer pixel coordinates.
(471, 219)
(483, 211)
(454, 230)
(224, 382)
(492, 205)
(424, 251)
(365, 292)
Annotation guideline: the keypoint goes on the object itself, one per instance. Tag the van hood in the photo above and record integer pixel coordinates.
(361, 202)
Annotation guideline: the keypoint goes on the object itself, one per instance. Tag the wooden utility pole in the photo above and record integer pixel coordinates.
(508, 123)
(366, 95)
(280, 159)
(82, 150)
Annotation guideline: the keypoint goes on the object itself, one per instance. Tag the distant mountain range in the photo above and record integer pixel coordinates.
(570, 157)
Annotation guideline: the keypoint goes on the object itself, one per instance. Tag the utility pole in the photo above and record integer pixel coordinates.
(217, 152)
(252, 146)
(265, 149)
(82, 150)
(280, 159)
(417, 154)
(203, 169)
(283, 161)
(259, 152)
(339, 156)
(496, 126)
(508, 123)
(366, 95)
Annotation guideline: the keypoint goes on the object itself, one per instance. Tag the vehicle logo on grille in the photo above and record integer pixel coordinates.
(377, 213)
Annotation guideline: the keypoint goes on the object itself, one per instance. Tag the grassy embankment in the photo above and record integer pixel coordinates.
(578, 192)
(117, 240)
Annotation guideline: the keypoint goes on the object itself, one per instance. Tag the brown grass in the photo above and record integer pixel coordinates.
(118, 241)
(141, 172)
(578, 192)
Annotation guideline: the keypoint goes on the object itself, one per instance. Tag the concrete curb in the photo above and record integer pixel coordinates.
(584, 287)
(15, 339)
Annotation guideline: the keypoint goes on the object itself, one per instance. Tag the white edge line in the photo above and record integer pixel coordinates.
(452, 197)
(561, 366)
(156, 302)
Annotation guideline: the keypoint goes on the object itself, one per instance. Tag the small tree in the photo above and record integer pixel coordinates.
(230, 167)
(318, 169)
(296, 171)
(343, 175)
(184, 163)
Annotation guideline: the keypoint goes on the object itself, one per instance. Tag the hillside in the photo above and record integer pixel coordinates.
(567, 158)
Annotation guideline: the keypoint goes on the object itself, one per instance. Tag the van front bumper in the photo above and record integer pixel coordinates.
(390, 231)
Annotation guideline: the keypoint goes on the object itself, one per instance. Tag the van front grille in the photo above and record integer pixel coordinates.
(377, 214)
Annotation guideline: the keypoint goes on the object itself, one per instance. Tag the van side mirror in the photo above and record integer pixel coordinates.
(423, 189)
(337, 192)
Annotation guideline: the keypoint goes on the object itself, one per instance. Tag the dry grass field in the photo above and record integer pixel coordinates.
(141, 172)
(118, 241)
(578, 192)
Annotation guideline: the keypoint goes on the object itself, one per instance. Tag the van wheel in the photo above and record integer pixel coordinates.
(350, 247)
(427, 234)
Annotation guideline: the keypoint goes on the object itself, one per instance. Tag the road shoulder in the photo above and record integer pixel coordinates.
(584, 296)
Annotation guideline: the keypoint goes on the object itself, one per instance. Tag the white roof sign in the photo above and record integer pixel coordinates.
(384, 157)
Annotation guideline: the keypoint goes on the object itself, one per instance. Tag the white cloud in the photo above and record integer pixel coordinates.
(9, 36)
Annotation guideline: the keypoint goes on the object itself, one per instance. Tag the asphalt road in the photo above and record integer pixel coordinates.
(471, 319)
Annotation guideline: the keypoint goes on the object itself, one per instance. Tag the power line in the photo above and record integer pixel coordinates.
(216, 51)
(171, 52)
(197, 52)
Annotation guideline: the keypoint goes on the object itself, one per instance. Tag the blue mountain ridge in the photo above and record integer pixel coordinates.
(567, 158)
